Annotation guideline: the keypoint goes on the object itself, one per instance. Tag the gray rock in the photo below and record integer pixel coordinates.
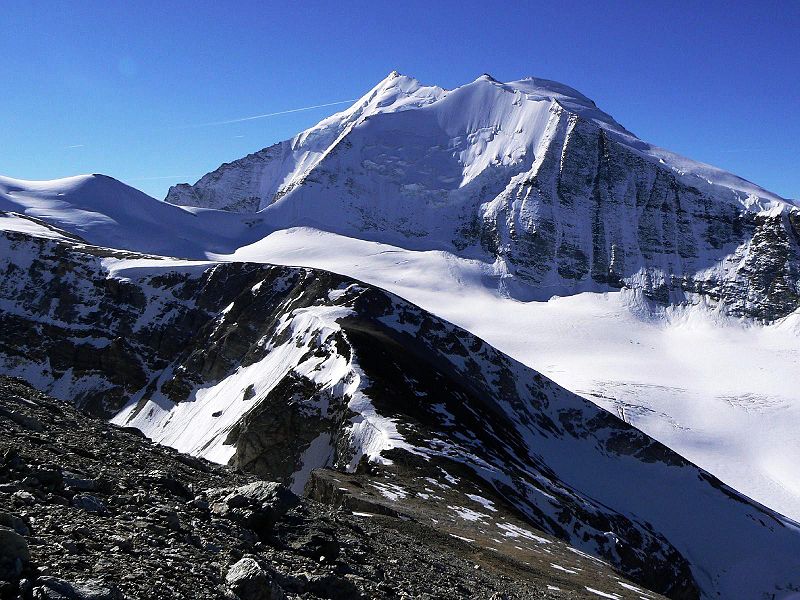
(80, 484)
(247, 580)
(257, 505)
(23, 498)
(14, 554)
(52, 588)
(89, 504)
(50, 477)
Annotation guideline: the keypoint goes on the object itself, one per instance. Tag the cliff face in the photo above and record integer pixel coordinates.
(593, 213)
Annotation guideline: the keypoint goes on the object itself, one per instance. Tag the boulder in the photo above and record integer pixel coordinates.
(13, 522)
(89, 503)
(14, 554)
(258, 505)
(248, 580)
(52, 588)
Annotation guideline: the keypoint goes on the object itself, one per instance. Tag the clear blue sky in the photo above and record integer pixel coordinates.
(88, 87)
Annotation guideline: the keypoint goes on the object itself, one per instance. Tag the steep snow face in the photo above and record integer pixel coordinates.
(516, 111)
(281, 370)
(253, 182)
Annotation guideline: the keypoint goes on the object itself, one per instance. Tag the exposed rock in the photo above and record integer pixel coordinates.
(14, 522)
(89, 503)
(257, 505)
(14, 554)
(52, 588)
(247, 580)
(152, 544)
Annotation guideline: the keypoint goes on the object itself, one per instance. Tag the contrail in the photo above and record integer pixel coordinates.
(265, 115)
(154, 178)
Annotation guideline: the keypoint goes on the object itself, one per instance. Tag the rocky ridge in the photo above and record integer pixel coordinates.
(91, 511)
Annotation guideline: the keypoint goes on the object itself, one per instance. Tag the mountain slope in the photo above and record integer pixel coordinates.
(109, 213)
(282, 370)
(124, 518)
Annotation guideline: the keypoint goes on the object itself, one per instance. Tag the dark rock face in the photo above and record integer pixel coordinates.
(594, 215)
(154, 542)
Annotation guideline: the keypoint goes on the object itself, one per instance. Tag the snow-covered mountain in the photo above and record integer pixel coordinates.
(661, 289)
(532, 176)
(281, 370)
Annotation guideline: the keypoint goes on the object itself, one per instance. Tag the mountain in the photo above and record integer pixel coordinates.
(412, 227)
(109, 213)
(480, 203)
(533, 177)
(282, 370)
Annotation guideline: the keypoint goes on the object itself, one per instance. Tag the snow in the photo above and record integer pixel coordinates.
(515, 531)
(10, 221)
(389, 490)
(467, 513)
(632, 588)
(318, 454)
(602, 594)
(487, 504)
(564, 569)
(109, 213)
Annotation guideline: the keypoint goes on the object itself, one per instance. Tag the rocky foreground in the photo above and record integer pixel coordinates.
(91, 511)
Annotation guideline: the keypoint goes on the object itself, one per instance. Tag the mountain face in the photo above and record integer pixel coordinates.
(282, 370)
(533, 177)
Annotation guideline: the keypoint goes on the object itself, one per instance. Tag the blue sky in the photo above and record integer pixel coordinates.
(88, 87)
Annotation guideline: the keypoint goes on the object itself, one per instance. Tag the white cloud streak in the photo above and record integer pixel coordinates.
(155, 178)
(266, 115)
